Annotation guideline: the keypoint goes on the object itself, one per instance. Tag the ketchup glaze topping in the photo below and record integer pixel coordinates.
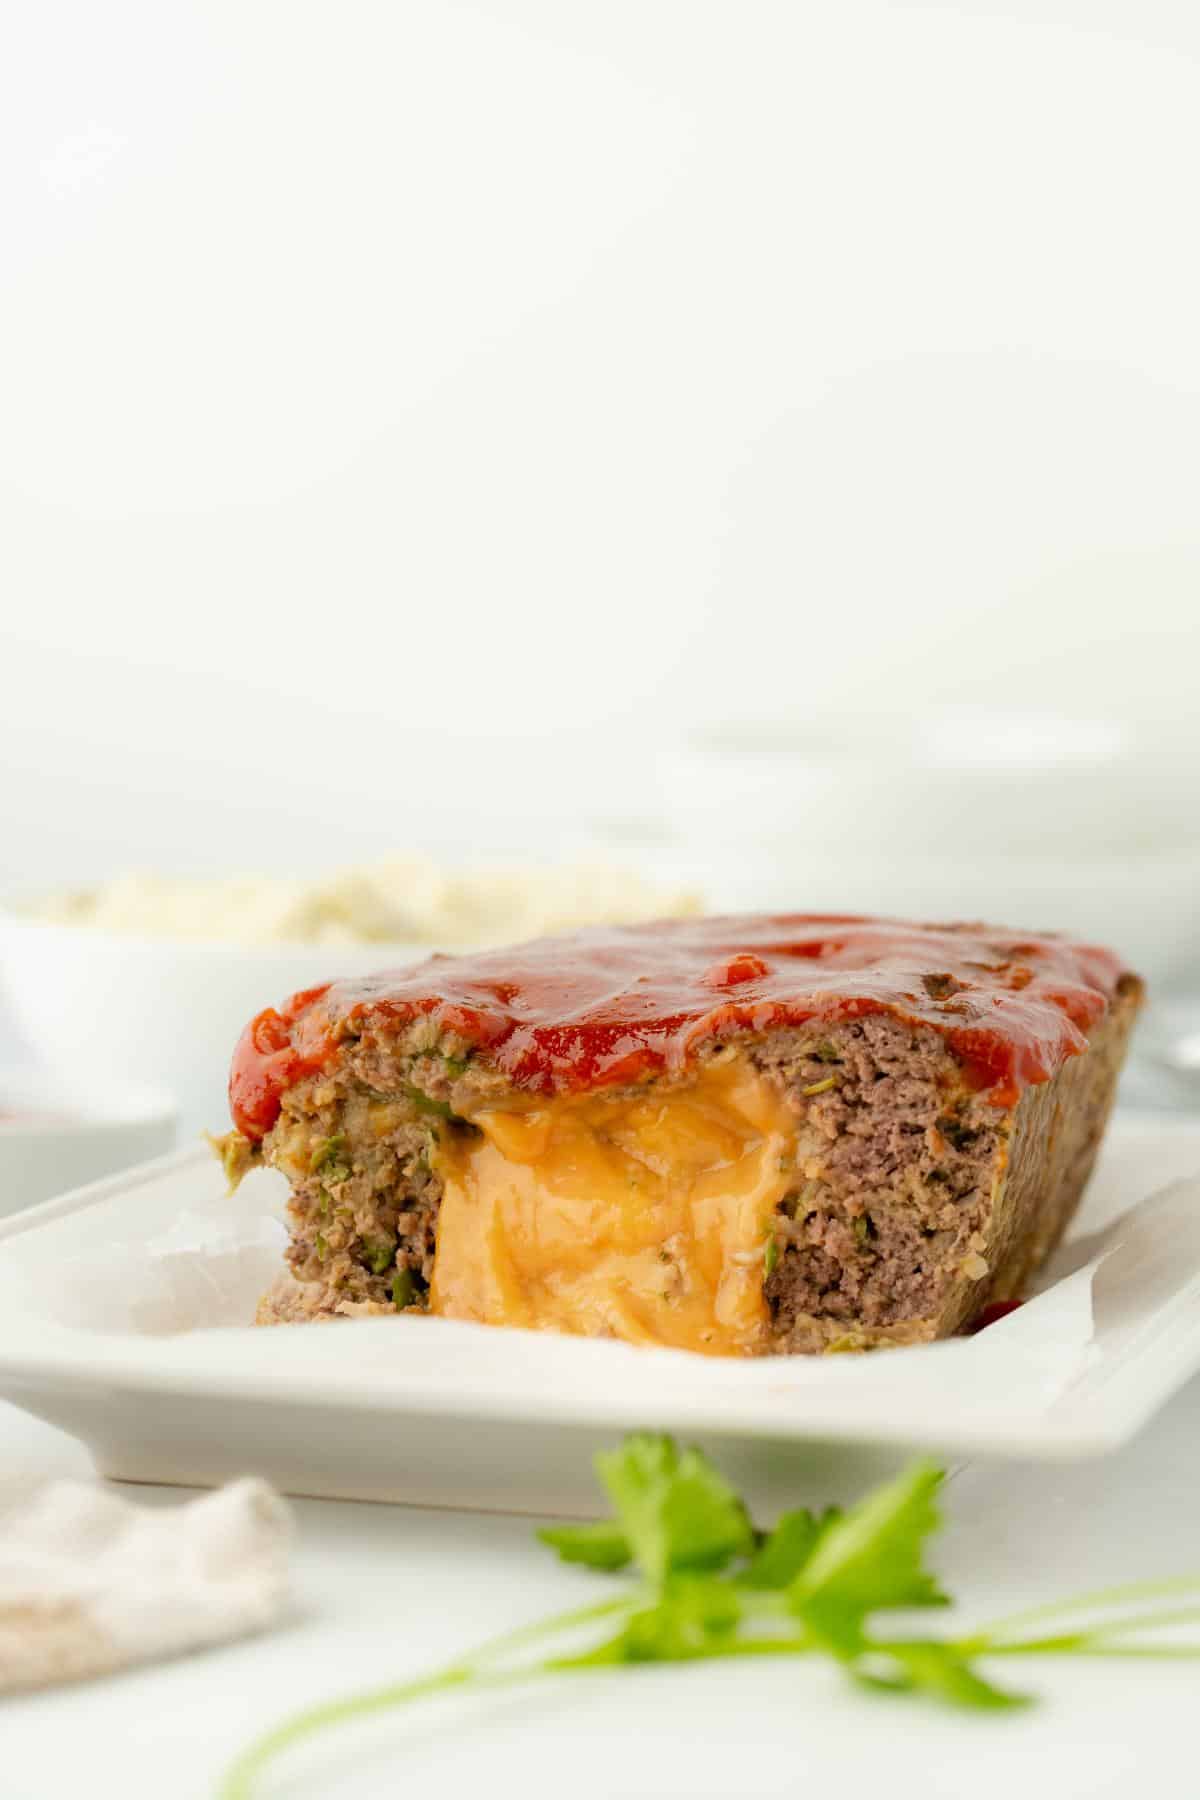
(615, 1004)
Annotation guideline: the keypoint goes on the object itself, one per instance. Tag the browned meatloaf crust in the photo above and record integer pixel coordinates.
(937, 1097)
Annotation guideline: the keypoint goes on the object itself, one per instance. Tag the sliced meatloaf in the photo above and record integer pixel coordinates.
(733, 1135)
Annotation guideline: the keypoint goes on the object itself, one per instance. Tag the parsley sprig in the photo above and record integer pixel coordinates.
(704, 1584)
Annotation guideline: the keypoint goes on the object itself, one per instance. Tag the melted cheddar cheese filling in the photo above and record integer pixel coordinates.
(639, 1215)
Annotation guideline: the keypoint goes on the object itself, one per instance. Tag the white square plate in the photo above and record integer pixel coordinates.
(122, 1319)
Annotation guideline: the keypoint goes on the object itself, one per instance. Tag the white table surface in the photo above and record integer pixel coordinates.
(383, 1591)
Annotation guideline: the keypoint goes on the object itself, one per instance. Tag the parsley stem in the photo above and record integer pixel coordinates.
(1104, 1638)
(1085, 1646)
(542, 1628)
(767, 1646)
(766, 1602)
(984, 1638)
(473, 1667)
(710, 1586)
(240, 1778)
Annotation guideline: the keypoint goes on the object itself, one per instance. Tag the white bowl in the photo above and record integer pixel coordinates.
(155, 1009)
(1052, 824)
(59, 1131)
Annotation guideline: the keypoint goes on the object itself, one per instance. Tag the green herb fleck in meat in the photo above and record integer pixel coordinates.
(404, 1289)
(425, 1103)
(326, 1151)
(819, 1087)
(236, 1154)
(770, 1257)
(379, 1254)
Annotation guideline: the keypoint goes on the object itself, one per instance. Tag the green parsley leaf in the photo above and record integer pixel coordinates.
(694, 1616)
(714, 1588)
(673, 1508)
(601, 1545)
(785, 1551)
(927, 1666)
(870, 1560)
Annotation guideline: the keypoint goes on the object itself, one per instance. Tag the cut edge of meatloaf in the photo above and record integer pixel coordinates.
(935, 1270)
(916, 1202)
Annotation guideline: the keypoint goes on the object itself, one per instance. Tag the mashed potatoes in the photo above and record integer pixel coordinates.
(401, 899)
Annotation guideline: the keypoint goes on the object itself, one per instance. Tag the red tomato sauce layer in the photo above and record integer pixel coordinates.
(618, 1004)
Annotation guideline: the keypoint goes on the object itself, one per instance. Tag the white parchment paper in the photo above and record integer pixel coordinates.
(164, 1271)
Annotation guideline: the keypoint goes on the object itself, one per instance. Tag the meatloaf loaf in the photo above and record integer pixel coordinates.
(732, 1135)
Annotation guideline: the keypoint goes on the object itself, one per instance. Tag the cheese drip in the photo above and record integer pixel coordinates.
(639, 1215)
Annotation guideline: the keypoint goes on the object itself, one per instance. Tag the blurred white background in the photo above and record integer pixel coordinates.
(413, 415)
